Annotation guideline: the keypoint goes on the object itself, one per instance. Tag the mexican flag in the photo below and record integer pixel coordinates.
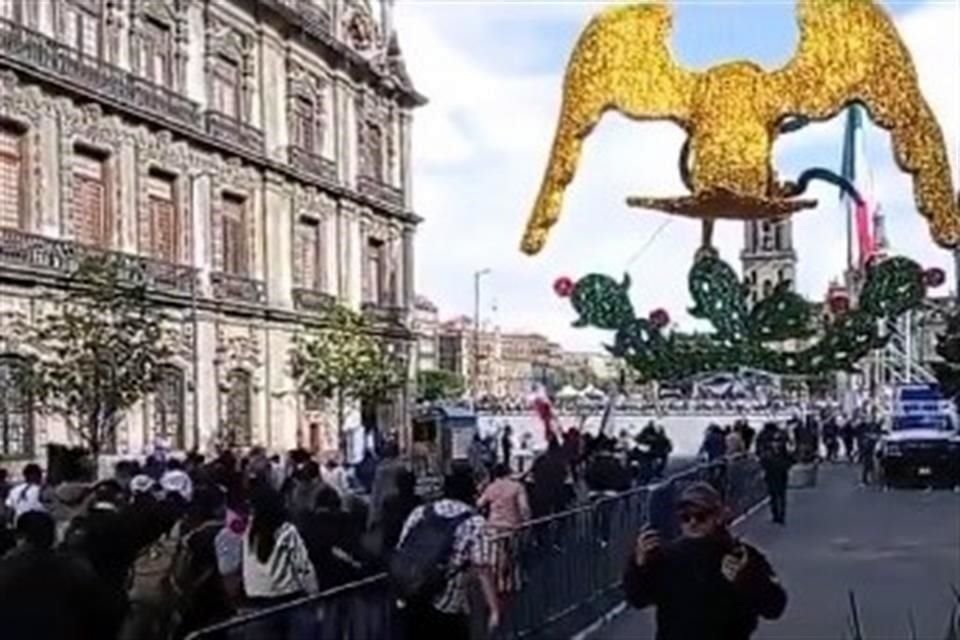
(856, 170)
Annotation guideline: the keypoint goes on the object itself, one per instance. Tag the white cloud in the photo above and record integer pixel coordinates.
(481, 146)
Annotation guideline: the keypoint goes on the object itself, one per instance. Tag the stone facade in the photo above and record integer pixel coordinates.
(255, 155)
(768, 256)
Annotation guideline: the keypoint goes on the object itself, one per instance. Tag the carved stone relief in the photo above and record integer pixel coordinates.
(234, 44)
(158, 151)
(173, 15)
(27, 106)
(233, 177)
(86, 124)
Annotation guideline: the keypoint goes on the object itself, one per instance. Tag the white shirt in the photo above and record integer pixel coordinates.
(335, 478)
(287, 571)
(24, 498)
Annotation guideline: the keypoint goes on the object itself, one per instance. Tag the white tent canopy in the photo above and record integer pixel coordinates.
(592, 392)
(568, 393)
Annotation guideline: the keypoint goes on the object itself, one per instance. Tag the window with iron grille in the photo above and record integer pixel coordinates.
(89, 198)
(239, 430)
(157, 53)
(12, 177)
(307, 124)
(234, 236)
(308, 252)
(226, 86)
(16, 410)
(168, 419)
(80, 25)
(164, 219)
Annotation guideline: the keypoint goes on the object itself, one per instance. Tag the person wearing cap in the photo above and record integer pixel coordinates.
(706, 584)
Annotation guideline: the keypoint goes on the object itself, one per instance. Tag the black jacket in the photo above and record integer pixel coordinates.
(693, 598)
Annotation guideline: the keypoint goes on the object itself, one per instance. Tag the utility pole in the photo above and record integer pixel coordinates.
(476, 335)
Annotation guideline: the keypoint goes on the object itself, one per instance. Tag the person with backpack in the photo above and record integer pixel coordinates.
(199, 597)
(276, 569)
(26, 497)
(441, 545)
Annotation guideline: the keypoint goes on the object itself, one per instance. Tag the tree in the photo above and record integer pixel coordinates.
(99, 352)
(439, 385)
(948, 348)
(344, 361)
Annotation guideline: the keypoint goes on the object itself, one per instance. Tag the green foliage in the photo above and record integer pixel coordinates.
(948, 348)
(433, 386)
(344, 360)
(98, 352)
(742, 338)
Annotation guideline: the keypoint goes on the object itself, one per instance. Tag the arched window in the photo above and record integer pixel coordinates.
(238, 426)
(767, 288)
(16, 412)
(168, 419)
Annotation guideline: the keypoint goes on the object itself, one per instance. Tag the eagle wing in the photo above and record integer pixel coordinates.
(621, 61)
(850, 52)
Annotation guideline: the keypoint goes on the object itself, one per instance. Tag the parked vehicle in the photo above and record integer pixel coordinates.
(921, 444)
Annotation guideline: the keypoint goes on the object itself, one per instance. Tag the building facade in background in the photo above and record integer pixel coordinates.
(426, 324)
(255, 156)
(768, 257)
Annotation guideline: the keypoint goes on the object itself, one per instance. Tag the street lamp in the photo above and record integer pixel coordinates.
(476, 334)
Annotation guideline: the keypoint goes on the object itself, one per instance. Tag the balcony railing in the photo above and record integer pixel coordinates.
(310, 300)
(63, 257)
(314, 165)
(380, 191)
(228, 129)
(230, 287)
(383, 313)
(34, 53)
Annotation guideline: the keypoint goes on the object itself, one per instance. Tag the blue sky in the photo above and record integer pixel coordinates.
(493, 73)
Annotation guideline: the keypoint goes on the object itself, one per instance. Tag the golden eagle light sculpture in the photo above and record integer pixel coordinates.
(849, 52)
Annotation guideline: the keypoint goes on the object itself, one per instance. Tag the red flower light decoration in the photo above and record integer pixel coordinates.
(563, 286)
(934, 277)
(839, 303)
(659, 318)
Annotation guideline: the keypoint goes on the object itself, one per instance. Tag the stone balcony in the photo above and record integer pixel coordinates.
(227, 129)
(226, 286)
(42, 256)
(380, 191)
(313, 301)
(380, 313)
(43, 58)
(313, 165)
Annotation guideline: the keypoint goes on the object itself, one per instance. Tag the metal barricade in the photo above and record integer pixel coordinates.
(363, 610)
(559, 574)
(553, 576)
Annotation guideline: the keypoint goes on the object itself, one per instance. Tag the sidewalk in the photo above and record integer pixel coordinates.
(898, 551)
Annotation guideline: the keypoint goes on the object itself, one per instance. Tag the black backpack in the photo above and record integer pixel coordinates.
(419, 568)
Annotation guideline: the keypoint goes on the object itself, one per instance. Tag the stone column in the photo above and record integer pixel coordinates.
(278, 237)
(206, 391)
(273, 98)
(49, 220)
(346, 132)
(126, 165)
(406, 157)
(284, 417)
(195, 83)
(202, 217)
(409, 285)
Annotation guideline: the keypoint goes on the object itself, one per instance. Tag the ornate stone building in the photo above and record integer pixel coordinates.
(253, 154)
(768, 256)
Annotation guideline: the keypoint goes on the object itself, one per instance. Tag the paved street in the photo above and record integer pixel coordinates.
(897, 550)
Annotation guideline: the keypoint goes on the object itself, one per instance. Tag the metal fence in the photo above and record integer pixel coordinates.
(559, 574)
(554, 575)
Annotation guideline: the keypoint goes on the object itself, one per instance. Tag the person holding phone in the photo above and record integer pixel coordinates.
(706, 584)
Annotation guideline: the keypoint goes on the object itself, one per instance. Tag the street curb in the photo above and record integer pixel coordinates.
(610, 615)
